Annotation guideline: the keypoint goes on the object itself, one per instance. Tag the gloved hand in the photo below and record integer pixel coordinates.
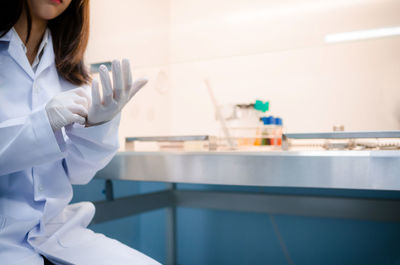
(116, 95)
(68, 107)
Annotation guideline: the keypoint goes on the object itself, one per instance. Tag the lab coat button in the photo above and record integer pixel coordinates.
(40, 187)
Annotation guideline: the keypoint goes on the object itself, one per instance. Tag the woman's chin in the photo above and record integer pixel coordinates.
(46, 9)
(49, 12)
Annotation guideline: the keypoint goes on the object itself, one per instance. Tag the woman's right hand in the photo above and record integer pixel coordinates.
(116, 94)
(68, 107)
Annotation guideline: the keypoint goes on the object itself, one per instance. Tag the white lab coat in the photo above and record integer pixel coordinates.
(38, 166)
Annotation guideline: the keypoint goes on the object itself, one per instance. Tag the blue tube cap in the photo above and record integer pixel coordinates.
(268, 120)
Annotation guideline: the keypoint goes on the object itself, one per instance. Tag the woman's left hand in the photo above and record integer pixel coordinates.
(115, 95)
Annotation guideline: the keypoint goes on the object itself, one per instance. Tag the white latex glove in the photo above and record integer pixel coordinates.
(68, 107)
(115, 95)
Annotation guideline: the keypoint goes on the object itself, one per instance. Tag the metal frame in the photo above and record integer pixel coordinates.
(343, 135)
(301, 205)
(169, 138)
(171, 246)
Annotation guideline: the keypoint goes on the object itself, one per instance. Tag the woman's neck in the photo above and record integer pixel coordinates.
(37, 31)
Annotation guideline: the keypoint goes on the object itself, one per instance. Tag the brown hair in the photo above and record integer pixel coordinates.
(69, 31)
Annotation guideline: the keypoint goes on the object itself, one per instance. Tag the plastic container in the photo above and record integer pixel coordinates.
(243, 122)
(271, 132)
(278, 131)
(268, 131)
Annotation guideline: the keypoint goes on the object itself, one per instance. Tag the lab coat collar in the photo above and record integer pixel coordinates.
(48, 57)
(16, 51)
(42, 45)
(7, 36)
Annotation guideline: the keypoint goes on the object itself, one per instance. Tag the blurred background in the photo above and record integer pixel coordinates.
(253, 49)
(318, 62)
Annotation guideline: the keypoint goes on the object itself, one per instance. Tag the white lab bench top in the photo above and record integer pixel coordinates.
(368, 170)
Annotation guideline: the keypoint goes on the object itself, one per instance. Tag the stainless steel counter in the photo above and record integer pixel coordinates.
(370, 170)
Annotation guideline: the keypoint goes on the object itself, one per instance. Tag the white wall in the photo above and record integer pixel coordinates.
(137, 30)
(275, 50)
(250, 49)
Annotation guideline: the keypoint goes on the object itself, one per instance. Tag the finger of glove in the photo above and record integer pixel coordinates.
(81, 101)
(84, 92)
(56, 119)
(96, 93)
(79, 109)
(137, 85)
(117, 79)
(106, 85)
(78, 119)
(127, 75)
(62, 117)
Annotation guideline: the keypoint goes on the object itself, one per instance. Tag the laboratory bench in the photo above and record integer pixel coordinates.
(367, 170)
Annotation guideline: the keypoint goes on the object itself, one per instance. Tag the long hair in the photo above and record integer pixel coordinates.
(69, 31)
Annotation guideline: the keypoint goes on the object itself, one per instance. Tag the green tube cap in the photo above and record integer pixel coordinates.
(261, 106)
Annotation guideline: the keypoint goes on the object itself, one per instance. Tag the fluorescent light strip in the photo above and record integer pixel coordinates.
(362, 35)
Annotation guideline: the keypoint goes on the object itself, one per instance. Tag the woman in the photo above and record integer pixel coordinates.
(54, 132)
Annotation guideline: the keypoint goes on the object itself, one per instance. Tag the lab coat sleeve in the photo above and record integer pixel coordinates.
(26, 142)
(90, 149)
